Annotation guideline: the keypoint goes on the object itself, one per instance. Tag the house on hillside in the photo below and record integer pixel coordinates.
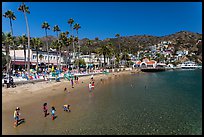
(146, 63)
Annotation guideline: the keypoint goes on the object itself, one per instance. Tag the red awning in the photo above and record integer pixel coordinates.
(22, 63)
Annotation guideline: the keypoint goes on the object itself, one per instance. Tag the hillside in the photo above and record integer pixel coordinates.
(180, 41)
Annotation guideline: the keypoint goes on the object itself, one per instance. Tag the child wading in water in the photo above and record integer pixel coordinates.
(45, 109)
(53, 112)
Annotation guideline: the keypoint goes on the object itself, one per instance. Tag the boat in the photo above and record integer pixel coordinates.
(190, 65)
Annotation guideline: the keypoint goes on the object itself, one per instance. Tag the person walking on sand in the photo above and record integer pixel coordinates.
(16, 116)
(77, 80)
(66, 108)
(72, 82)
(53, 112)
(90, 86)
(92, 77)
(75, 77)
(45, 109)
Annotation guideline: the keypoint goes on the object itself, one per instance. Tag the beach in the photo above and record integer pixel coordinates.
(123, 103)
(30, 98)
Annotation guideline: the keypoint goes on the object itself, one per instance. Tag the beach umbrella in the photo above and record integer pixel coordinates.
(53, 68)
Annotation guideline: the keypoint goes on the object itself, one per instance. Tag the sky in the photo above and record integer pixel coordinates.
(106, 19)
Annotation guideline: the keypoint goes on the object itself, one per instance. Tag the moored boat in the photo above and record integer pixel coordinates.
(190, 65)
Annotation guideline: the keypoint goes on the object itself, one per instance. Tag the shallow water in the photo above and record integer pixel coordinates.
(152, 103)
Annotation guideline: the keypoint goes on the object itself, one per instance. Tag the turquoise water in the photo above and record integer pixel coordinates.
(162, 103)
(170, 104)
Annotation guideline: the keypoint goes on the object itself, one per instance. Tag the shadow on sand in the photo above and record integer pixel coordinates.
(20, 121)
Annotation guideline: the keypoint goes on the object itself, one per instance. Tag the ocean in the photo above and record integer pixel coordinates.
(160, 103)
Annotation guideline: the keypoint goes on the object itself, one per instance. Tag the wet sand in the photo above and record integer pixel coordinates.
(30, 98)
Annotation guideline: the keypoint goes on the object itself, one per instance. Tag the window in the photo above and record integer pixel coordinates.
(34, 56)
(45, 57)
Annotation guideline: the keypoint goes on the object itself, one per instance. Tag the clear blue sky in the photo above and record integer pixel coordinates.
(105, 19)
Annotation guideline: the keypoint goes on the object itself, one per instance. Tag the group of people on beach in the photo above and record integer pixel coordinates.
(66, 107)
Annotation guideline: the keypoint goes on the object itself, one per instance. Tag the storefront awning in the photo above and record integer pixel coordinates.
(22, 63)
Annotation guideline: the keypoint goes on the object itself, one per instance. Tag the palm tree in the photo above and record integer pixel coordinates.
(77, 27)
(89, 43)
(25, 9)
(57, 29)
(36, 42)
(87, 48)
(7, 41)
(70, 22)
(64, 42)
(10, 15)
(104, 50)
(23, 40)
(46, 26)
(57, 45)
(118, 36)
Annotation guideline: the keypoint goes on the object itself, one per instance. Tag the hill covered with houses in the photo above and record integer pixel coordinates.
(174, 48)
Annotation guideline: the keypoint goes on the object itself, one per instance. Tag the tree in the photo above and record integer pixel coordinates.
(41, 57)
(25, 9)
(118, 36)
(57, 29)
(65, 42)
(81, 62)
(105, 50)
(70, 22)
(77, 27)
(46, 26)
(7, 40)
(10, 15)
(23, 40)
(36, 42)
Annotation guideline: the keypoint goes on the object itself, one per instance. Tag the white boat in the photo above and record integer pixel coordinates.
(190, 65)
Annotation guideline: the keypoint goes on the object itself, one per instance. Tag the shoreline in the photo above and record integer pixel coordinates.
(35, 86)
(30, 97)
(23, 93)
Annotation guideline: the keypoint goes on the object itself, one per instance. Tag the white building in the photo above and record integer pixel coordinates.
(19, 57)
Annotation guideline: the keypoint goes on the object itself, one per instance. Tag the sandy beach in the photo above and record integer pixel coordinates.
(30, 97)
